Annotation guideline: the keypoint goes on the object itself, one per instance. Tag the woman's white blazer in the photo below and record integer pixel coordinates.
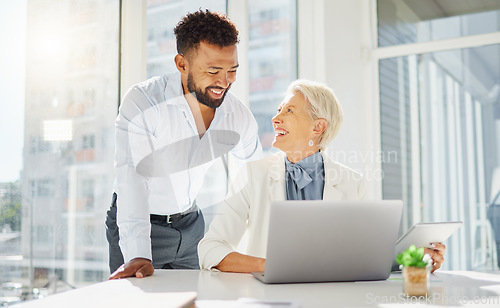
(246, 208)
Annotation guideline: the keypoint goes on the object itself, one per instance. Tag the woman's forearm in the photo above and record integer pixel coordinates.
(240, 263)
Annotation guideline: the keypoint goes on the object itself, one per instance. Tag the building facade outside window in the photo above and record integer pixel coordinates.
(65, 184)
(162, 17)
(272, 57)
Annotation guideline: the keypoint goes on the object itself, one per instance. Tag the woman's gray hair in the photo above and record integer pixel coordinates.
(323, 104)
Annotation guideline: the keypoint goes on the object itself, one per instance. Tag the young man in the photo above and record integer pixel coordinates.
(169, 131)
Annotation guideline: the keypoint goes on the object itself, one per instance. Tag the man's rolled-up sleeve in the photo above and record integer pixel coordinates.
(134, 140)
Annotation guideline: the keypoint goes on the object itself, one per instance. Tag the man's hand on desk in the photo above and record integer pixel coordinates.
(138, 267)
(437, 255)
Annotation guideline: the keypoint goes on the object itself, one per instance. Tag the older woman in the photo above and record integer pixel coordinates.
(307, 120)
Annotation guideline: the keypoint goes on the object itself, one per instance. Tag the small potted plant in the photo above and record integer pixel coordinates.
(416, 268)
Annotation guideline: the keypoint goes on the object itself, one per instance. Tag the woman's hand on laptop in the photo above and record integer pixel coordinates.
(239, 263)
(436, 252)
(137, 267)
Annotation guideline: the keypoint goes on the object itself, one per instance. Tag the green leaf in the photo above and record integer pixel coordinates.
(412, 256)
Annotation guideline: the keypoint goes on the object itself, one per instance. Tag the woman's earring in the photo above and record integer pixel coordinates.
(310, 142)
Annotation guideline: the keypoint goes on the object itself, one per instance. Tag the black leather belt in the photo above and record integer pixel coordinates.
(173, 217)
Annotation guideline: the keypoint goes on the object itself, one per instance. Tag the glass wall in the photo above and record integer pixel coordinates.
(409, 21)
(59, 201)
(272, 57)
(12, 80)
(162, 17)
(441, 112)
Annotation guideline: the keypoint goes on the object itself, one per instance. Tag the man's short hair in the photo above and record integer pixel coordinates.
(204, 26)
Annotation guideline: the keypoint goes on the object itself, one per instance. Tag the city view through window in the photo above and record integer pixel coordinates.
(56, 185)
(52, 211)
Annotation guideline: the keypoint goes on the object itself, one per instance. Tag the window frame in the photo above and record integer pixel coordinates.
(381, 53)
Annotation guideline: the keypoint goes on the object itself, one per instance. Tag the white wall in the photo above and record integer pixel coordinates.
(133, 44)
(237, 10)
(335, 48)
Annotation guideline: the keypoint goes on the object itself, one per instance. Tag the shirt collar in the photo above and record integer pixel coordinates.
(311, 164)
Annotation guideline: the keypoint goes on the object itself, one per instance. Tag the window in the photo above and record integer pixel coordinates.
(88, 141)
(87, 193)
(272, 57)
(43, 235)
(63, 184)
(45, 187)
(440, 111)
(162, 17)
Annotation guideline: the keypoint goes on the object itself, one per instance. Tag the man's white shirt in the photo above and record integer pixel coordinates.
(160, 159)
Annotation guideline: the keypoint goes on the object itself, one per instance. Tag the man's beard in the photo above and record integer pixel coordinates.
(203, 97)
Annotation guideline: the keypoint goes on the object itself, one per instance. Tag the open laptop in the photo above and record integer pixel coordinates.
(316, 241)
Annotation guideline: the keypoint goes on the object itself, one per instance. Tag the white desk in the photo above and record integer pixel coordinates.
(451, 288)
